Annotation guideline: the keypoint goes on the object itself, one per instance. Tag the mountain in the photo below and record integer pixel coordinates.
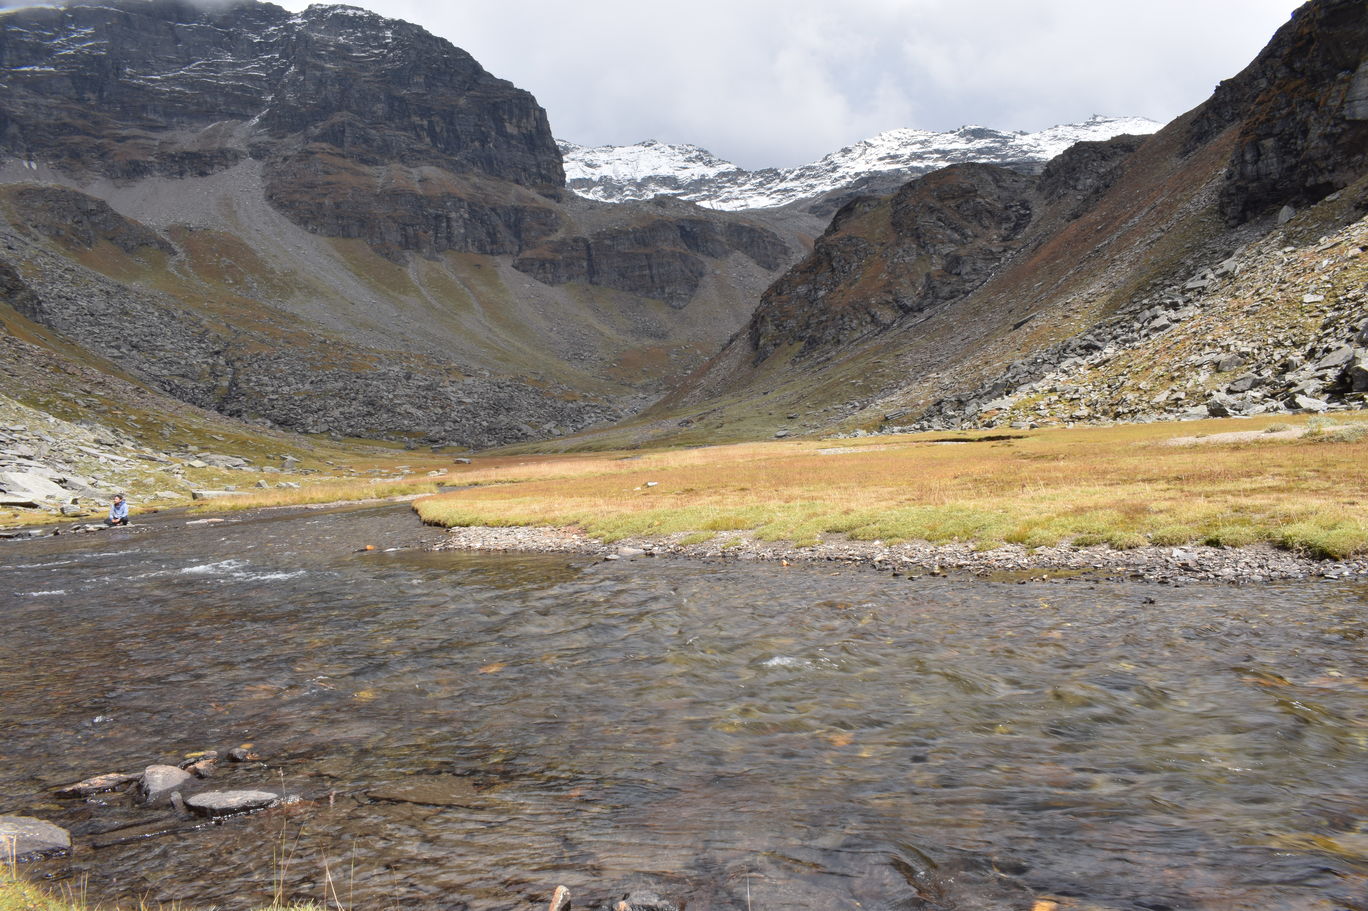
(648, 169)
(1213, 268)
(334, 222)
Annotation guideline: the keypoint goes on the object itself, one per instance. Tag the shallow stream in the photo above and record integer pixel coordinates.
(471, 731)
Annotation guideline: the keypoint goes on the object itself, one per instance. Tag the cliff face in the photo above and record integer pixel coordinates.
(933, 307)
(1302, 106)
(337, 222)
(663, 258)
(346, 109)
(131, 89)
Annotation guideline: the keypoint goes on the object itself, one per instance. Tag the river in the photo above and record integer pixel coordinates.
(469, 731)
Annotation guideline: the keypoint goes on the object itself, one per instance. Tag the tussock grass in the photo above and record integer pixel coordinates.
(1118, 486)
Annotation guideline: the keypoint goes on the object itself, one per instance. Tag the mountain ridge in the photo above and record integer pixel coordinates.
(690, 172)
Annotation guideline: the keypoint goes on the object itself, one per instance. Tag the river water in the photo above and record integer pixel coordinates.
(469, 731)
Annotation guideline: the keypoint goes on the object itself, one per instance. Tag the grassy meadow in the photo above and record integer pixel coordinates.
(1299, 484)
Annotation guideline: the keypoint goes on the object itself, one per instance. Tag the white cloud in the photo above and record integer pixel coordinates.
(782, 82)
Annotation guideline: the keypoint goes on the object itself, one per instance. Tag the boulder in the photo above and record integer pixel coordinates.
(1306, 403)
(28, 838)
(228, 803)
(1357, 374)
(1339, 357)
(159, 782)
(1243, 384)
(1229, 363)
(1220, 406)
(210, 494)
(28, 485)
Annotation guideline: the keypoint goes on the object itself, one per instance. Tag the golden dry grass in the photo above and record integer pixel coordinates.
(321, 492)
(1118, 485)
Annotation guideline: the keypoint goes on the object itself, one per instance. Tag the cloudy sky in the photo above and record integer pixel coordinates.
(783, 82)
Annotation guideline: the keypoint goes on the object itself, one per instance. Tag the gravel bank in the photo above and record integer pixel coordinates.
(1172, 565)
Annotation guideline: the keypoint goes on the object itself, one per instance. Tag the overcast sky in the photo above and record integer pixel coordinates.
(783, 82)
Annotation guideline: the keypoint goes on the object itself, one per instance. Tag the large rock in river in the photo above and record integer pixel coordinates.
(226, 803)
(27, 838)
(161, 781)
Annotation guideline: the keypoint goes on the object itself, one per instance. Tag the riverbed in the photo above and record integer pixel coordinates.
(471, 730)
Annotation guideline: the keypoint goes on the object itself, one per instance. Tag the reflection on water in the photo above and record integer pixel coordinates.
(469, 731)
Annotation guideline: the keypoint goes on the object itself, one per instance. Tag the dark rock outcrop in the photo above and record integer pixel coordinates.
(1083, 172)
(1303, 112)
(663, 258)
(397, 210)
(74, 219)
(15, 291)
(935, 239)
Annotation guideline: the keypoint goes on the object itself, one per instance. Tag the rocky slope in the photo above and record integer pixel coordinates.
(648, 169)
(1213, 268)
(335, 222)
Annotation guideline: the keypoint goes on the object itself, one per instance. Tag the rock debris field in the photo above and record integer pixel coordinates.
(913, 560)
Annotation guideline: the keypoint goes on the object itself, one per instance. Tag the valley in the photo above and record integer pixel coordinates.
(967, 519)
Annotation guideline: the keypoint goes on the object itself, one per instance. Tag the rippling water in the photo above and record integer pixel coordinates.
(470, 731)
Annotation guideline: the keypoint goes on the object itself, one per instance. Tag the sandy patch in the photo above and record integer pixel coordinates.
(1238, 436)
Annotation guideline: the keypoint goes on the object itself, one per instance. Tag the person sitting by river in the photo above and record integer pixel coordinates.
(118, 511)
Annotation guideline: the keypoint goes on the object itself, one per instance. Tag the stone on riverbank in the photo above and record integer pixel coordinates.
(26, 838)
(228, 803)
(159, 782)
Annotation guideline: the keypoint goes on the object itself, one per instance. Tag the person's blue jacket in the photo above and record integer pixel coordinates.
(118, 511)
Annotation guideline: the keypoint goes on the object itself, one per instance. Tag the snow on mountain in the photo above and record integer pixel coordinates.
(648, 169)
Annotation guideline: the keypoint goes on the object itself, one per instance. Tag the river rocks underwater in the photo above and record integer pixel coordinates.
(472, 730)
